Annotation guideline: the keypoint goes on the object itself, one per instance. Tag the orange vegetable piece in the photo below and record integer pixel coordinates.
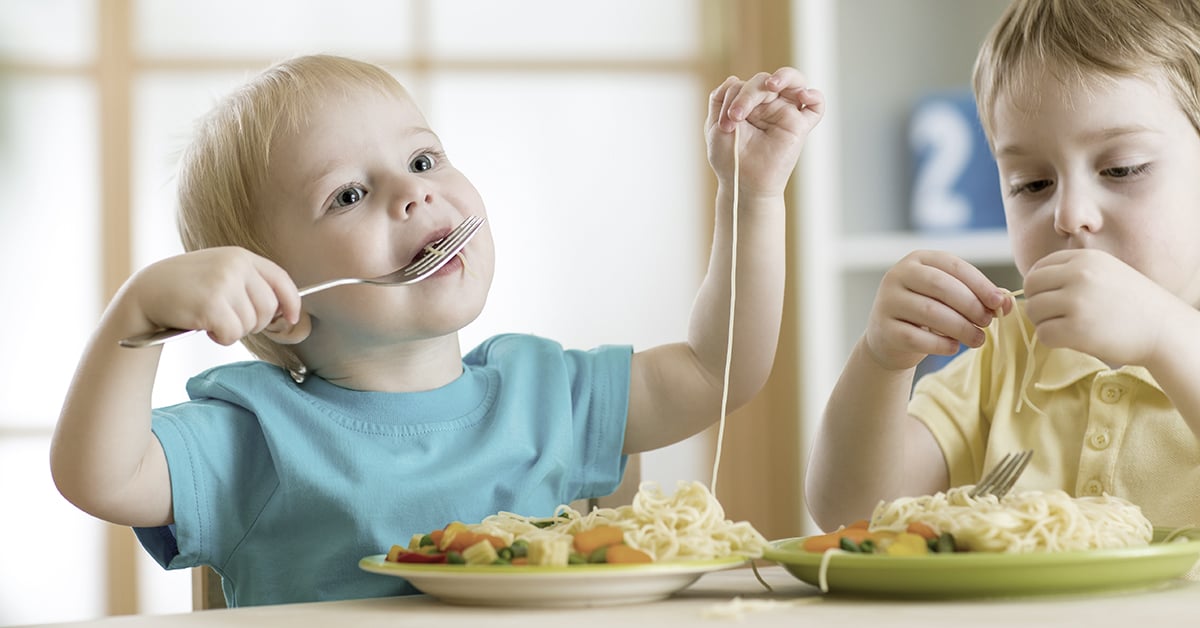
(861, 523)
(588, 541)
(858, 535)
(623, 554)
(450, 533)
(822, 542)
(922, 530)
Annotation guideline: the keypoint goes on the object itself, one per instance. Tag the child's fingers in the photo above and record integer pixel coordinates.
(717, 101)
(287, 295)
(938, 326)
(749, 95)
(981, 297)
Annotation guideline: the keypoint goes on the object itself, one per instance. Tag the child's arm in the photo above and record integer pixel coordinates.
(868, 448)
(675, 390)
(1090, 301)
(103, 456)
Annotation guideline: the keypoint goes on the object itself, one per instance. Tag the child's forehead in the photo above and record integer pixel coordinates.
(1033, 88)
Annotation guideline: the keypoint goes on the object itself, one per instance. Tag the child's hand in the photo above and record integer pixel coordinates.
(227, 291)
(1090, 301)
(775, 112)
(928, 303)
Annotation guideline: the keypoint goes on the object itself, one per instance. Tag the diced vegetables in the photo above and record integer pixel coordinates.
(917, 539)
(481, 553)
(623, 554)
(588, 541)
(457, 543)
(549, 551)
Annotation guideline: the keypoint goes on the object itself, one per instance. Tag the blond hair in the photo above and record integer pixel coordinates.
(1077, 41)
(223, 170)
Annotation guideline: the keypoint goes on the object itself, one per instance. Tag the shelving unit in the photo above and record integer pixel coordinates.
(874, 59)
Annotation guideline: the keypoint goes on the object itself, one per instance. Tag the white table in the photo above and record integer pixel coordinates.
(792, 604)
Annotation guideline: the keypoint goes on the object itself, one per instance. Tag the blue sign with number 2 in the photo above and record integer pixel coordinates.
(955, 182)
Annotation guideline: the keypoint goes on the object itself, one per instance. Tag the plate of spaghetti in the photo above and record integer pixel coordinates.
(644, 551)
(950, 545)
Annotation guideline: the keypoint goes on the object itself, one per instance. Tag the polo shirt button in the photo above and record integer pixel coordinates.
(1093, 488)
(1099, 440)
(1110, 393)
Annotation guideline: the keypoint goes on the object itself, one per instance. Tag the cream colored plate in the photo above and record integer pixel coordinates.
(549, 587)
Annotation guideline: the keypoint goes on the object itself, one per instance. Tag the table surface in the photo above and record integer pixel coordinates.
(728, 597)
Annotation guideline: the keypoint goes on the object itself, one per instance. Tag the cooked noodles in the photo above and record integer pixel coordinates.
(688, 525)
(1021, 522)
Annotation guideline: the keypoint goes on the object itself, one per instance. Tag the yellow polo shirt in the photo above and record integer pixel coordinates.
(1100, 430)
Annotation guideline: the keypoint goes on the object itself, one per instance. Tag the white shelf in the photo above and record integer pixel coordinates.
(879, 251)
(874, 60)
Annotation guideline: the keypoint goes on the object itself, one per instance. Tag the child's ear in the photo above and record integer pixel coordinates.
(285, 333)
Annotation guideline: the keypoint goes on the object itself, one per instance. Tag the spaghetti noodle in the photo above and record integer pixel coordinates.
(688, 525)
(1029, 521)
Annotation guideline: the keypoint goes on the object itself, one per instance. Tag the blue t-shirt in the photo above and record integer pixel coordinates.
(282, 488)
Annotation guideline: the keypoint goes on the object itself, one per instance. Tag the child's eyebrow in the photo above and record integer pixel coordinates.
(1099, 135)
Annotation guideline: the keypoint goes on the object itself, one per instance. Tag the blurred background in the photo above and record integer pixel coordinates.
(569, 116)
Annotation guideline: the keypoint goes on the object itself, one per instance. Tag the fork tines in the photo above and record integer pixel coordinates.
(1004, 475)
(447, 246)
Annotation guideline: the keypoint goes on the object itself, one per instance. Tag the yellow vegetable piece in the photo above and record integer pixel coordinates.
(549, 551)
(481, 553)
(907, 544)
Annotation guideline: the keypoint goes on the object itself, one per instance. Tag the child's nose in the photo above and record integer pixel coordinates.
(1075, 212)
(410, 195)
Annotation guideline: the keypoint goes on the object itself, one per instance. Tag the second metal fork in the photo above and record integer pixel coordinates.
(1003, 476)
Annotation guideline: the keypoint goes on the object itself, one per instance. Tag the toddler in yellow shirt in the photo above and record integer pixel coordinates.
(1092, 110)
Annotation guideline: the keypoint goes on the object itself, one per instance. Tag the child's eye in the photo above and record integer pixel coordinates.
(1122, 172)
(347, 196)
(1030, 187)
(422, 163)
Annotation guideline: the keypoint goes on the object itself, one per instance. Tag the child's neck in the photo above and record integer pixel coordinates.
(409, 367)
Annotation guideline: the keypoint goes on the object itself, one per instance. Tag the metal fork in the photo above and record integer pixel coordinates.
(1001, 477)
(435, 255)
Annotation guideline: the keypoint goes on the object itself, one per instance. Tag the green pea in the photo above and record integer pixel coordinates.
(849, 545)
(598, 555)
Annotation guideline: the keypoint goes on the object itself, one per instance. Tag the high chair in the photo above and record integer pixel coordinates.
(206, 589)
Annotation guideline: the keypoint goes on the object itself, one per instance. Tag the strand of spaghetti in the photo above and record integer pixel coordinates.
(732, 301)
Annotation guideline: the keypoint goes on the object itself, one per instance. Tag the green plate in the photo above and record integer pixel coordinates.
(978, 575)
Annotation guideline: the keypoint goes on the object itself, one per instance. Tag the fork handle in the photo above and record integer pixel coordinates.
(156, 337)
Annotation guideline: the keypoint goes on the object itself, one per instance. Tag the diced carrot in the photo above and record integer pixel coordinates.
(600, 536)
(922, 530)
(436, 536)
(856, 534)
(496, 541)
(822, 542)
(450, 537)
(623, 554)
